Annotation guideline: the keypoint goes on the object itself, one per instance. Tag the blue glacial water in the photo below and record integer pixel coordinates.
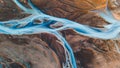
(29, 26)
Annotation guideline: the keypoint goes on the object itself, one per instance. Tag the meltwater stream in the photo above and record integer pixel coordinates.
(28, 25)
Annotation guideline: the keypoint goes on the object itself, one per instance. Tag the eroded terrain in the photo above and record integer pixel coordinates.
(45, 50)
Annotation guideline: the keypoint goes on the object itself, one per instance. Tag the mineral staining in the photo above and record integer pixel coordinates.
(91, 4)
(28, 26)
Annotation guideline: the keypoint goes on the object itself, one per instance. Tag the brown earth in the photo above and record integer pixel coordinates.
(71, 10)
(45, 51)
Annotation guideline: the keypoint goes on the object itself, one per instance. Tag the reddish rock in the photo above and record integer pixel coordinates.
(68, 9)
(93, 53)
(22, 51)
(45, 51)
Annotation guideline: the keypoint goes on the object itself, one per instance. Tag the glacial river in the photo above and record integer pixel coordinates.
(29, 25)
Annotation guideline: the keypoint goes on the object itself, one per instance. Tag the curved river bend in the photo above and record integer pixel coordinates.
(29, 26)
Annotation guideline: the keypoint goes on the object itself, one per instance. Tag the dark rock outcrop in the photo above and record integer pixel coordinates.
(24, 52)
(45, 51)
